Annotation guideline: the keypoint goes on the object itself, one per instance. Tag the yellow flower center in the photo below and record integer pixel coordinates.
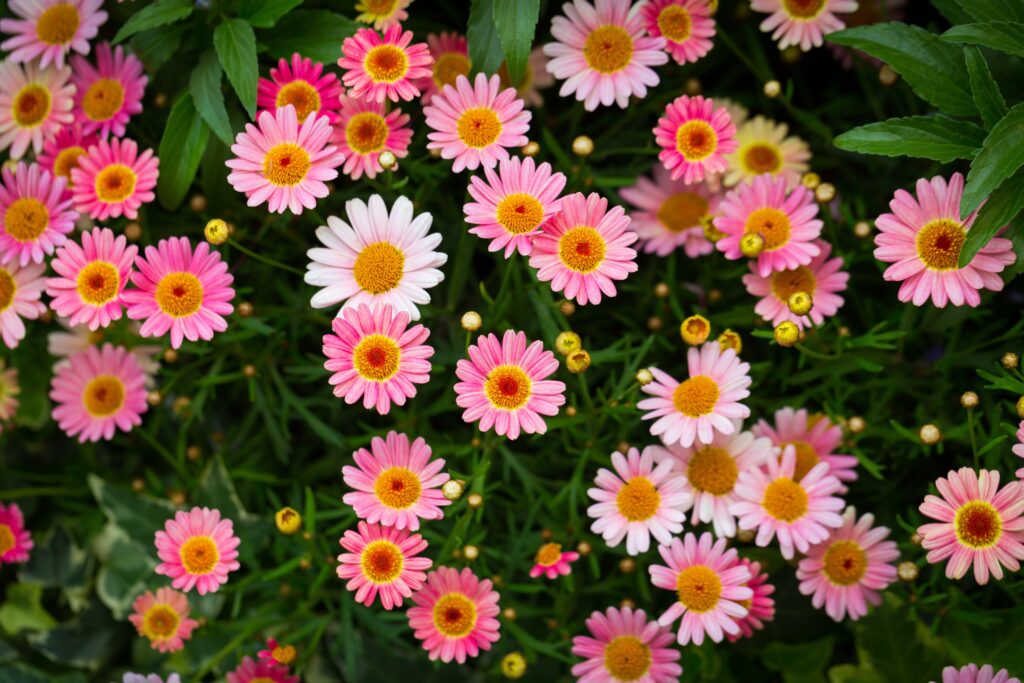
(301, 95)
(366, 132)
(939, 243)
(386, 63)
(626, 658)
(683, 210)
(382, 562)
(7, 540)
(713, 470)
(519, 213)
(786, 283)
(199, 555)
(380, 8)
(785, 500)
(454, 615)
(179, 294)
(160, 622)
(978, 524)
(449, 66)
(376, 357)
(26, 219)
(674, 23)
(581, 249)
(695, 330)
(98, 283)
(696, 140)
(66, 160)
(845, 563)
(379, 267)
(771, 224)
(698, 588)
(803, 9)
(549, 554)
(31, 105)
(103, 99)
(7, 289)
(638, 500)
(508, 387)
(284, 654)
(103, 395)
(286, 164)
(761, 157)
(397, 487)
(115, 183)
(58, 24)
(806, 458)
(479, 127)
(696, 396)
(608, 49)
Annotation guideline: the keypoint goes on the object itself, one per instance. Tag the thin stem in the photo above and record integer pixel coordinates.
(974, 440)
(269, 261)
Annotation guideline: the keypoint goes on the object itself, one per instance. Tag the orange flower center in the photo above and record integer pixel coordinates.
(508, 387)
(7, 289)
(376, 357)
(696, 396)
(549, 554)
(386, 63)
(520, 213)
(31, 105)
(98, 283)
(103, 395)
(845, 563)
(479, 127)
(454, 615)
(761, 157)
(379, 267)
(803, 9)
(199, 555)
(397, 487)
(103, 99)
(683, 210)
(786, 283)
(7, 540)
(581, 249)
(939, 243)
(26, 219)
(115, 183)
(179, 295)
(638, 500)
(367, 132)
(696, 140)
(771, 224)
(806, 458)
(160, 622)
(301, 95)
(382, 562)
(286, 164)
(713, 470)
(449, 66)
(284, 654)
(674, 23)
(978, 524)
(608, 49)
(698, 588)
(58, 24)
(66, 160)
(695, 330)
(382, 8)
(626, 658)
(785, 500)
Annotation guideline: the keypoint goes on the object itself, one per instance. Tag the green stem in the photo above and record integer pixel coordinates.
(269, 261)
(974, 440)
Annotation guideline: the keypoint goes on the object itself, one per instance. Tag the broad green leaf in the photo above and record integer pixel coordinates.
(140, 516)
(204, 85)
(265, 13)
(23, 673)
(85, 642)
(986, 93)
(126, 569)
(485, 51)
(998, 644)
(22, 610)
(848, 673)
(807, 658)
(1001, 208)
(1004, 36)
(216, 490)
(317, 34)
(952, 11)
(236, 47)
(156, 46)
(929, 137)
(999, 158)
(993, 10)
(181, 149)
(160, 13)
(888, 641)
(516, 21)
(931, 66)
(56, 562)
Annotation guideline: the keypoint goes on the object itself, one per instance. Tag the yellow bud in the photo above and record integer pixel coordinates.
(627, 565)
(567, 308)
(692, 86)
(752, 244)
(862, 229)
(530, 149)
(825, 192)
(508, 614)
(710, 230)
(695, 330)
(969, 400)
(772, 89)
(929, 435)
(1020, 406)
(907, 571)
(513, 665)
(661, 290)
(470, 552)
(249, 370)
(730, 340)
(644, 377)
(655, 323)
(855, 424)
(475, 501)
(810, 180)
(582, 146)
(154, 398)
(245, 310)
(787, 333)
(217, 231)
(160, 100)
(471, 321)
(452, 489)
(288, 521)
(567, 342)
(388, 161)
(570, 411)
(577, 361)
(133, 231)
(584, 548)
(197, 203)
(1010, 360)
(886, 75)
(800, 303)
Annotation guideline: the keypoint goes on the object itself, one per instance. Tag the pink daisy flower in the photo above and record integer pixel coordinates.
(263, 671)
(50, 29)
(455, 615)
(303, 84)
(62, 151)
(706, 402)
(376, 356)
(710, 587)
(551, 562)
(602, 53)
(277, 653)
(282, 163)
(802, 22)
(35, 216)
(763, 147)
(786, 221)
(761, 607)
(9, 390)
(584, 248)
(624, 646)
(978, 523)
(99, 391)
(686, 25)
(822, 278)
(92, 278)
(451, 60)
(113, 179)
(512, 204)
(34, 104)
(1018, 448)
(848, 571)
(799, 512)
(197, 549)
(476, 122)
(382, 13)
(180, 290)
(20, 290)
(814, 439)
(383, 561)
(107, 95)
(503, 384)
(162, 617)
(922, 238)
(396, 482)
(638, 500)
(151, 678)
(694, 136)
(972, 674)
(384, 67)
(671, 214)
(709, 473)
(15, 539)
(365, 130)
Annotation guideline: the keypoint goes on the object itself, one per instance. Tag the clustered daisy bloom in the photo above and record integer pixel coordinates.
(451, 60)
(365, 130)
(803, 23)
(35, 214)
(624, 646)
(382, 13)
(671, 214)
(302, 83)
(763, 147)
(972, 674)
(382, 561)
(823, 279)
(92, 278)
(378, 68)
(551, 561)
(455, 615)
(50, 29)
(197, 549)
(15, 539)
(108, 94)
(20, 290)
(162, 618)
(34, 103)
(261, 671)
(695, 136)
(814, 439)
(112, 179)
(686, 25)
(761, 607)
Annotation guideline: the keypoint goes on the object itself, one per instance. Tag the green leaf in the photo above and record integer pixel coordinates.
(485, 53)
(929, 137)
(265, 13)
(516, 21)
(56, 562)
(156, 46)
(1004, 36)
(160, 13)
(86, 641)
(889, 642)
(181, 149)
(999, 158)
(807, 659)
(317, 34)
(236, 47)
(848, 673)
(23, 673)
(1001, 208)
(216, 490)
(931, 66)
(204, 86)
(998, 644)
(126, 567)
(140, 516)
(986, 93)
(993, 10)
(22, 610)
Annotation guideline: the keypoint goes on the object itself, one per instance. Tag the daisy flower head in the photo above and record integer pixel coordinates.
(50, 29)
(686, 25)
(978, 524)
(112, 179)
(602, 54)
(455, 615)
(396, 483)
(283, 163)
(162, 618)
(695, 136)
(551, 562)
(15, 539)
(151, 678)
(922, 238)
(91, 278)
(302, 83)
(98, 392)
(763, 147)
(62, 151)
(800, 512)
(822, 278)
(972, 674)
(382, 13)
(197, 550)
(710, 584)
(814, 439)
(671, 214)
(503, 384)
(262, 671)
(180, 290)
(376, 257)
(365, 130)
(475, 122)
(708, 401)
(20, 290)
(512, 204)
(624, 646)
(34, 103)
(535, 79)
(638, 500)
(450, 52)
(585, 248)
(108, 94)
(382, 560)
(761, 607)
(1018, 448)
(786, 221)
(802, 22)
(276, 652)
(35, 214)
(9, 390)
(709, 473)
(376, 356)
(388, 67)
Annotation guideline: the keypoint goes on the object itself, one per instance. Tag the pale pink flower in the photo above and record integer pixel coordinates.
(822, 279)
(15, 539)
(109, 94)
(802, 22)
(972, 674)
(34, 104)
(671, 214)
(814, 439)
(761, 607)
(624, 646)
(451, 60)
(20, 290)
(62, 151)
(92, 278)
(112, 179)
(263, 671)
(382, 14)
(455, 615)
(365, 130)
(763, 147)
(1018, 448)
(303, 84)
(384, 67)
(197, 550)
(50, 29)
(382, 561)
(162, 618)
(35, 214)
(551, 561)
(686, 25)
(695, 136)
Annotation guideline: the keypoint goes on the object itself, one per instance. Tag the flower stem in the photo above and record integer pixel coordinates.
(264, 259)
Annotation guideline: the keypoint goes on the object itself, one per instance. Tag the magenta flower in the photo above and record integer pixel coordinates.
(92, 278)
(109, 94)
(15, 539)
(378, 68)
(694, 136)
(197, 550)
(455, 615)
(36, 214)
(112, 179)
(551, 562)
(382, 561)
(303, 84)
(624, 646)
